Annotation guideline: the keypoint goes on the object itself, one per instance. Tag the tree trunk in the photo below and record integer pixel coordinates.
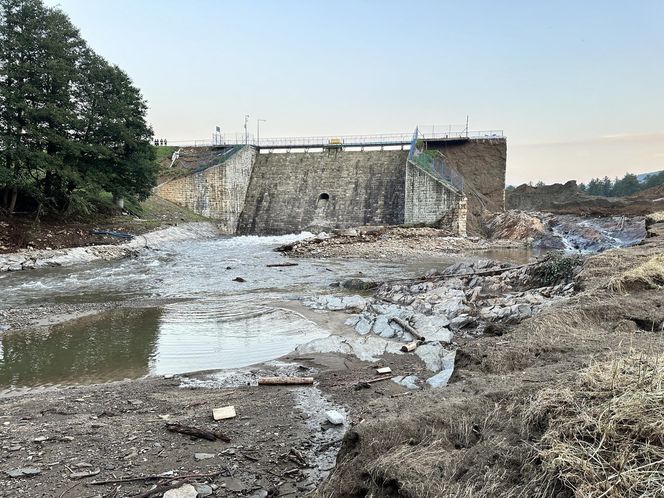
(12, 201)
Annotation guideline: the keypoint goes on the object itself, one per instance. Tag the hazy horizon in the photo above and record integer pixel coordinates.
(575, 86)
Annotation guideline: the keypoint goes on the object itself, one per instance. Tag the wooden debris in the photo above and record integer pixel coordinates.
(280, 265)
(284, 381)
(297, 457)
(407, 327)
(198, 433)
(384, 370)
(411, 346)
(224, 412)
(365, 384)
(84, 474)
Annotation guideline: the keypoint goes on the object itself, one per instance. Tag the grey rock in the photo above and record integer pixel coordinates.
(23, 472)
(233, 484)
(358, 284)
(203, 456)
(334, 417)
(409, 381)
(461, 321)
(184, 491)
(383, 327)
(352, 321)
(364, 324)
(261, 493)
(203, 490)
(355, 303)
(443, 377)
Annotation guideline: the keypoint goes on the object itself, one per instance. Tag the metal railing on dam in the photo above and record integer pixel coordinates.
(434, 162)
(338, 141)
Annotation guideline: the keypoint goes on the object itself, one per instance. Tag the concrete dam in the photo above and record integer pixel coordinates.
(263, 190)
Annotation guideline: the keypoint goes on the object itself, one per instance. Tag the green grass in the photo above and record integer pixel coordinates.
(164, 152)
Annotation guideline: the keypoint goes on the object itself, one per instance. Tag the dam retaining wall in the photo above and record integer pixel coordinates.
(277, 193)
(217, 192)
(323, 190)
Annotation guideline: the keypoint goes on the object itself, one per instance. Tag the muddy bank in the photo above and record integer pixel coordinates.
(32, 259)
(502, 425)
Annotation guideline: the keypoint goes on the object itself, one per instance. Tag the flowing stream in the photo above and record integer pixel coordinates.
(203, 319)
(184, 309)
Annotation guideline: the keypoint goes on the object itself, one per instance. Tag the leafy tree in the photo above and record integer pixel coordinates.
(71, 124)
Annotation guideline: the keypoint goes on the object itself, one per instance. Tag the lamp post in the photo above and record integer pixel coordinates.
(258, 131)
(246, 135)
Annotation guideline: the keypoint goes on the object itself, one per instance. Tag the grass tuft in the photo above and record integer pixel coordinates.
(648, 275)
(604, 434)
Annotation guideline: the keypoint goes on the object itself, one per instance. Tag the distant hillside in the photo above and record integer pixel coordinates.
(644, 176)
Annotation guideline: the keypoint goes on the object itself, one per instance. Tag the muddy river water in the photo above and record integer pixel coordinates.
(203, 319)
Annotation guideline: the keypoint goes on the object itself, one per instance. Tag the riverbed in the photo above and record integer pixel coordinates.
(187, 306)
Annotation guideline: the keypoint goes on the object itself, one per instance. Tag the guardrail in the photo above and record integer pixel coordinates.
(337, 140)
(433, 162)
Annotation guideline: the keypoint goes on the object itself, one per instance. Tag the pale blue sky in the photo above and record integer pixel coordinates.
(578, 86)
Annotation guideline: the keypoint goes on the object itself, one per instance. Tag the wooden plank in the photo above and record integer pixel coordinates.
(224, 412)
(284, 381)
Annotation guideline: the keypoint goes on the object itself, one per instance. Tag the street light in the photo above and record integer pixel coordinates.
(246, 135)
(258, 130)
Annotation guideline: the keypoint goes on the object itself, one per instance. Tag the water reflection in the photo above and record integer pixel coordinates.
(110, 346)
(204, 335)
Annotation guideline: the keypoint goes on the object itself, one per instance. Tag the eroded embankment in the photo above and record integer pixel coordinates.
(518, 419)
(31, 259)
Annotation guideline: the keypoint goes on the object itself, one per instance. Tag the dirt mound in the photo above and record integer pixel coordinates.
(568, 199)
(529, 198)
(514, 225)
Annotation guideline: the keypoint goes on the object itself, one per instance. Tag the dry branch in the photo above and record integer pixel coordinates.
(407, 327)
(198, 433)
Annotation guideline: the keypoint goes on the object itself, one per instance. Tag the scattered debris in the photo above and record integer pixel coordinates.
(407, 327)
(83, 475)
(239, 279)
(383, 370)
(281, 265)
(411, 346)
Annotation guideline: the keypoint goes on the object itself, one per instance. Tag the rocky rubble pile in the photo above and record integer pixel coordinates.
(464, 300)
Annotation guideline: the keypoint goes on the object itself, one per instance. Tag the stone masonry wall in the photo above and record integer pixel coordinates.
(324, 190)
(427, 199)
(217, 192)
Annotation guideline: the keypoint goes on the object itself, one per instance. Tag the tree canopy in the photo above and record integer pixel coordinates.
(620, 187)
(72, 125)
